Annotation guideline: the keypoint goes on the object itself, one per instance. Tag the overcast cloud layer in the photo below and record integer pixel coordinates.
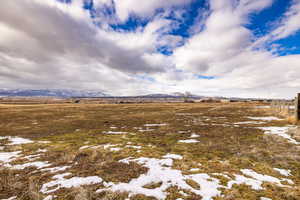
(54, 44)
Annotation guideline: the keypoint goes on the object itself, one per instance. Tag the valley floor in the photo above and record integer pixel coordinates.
(176, 151)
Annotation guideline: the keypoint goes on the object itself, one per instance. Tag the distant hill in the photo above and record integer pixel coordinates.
(173, 95)
(64, 93)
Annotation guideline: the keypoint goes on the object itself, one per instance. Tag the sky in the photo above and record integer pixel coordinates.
(240, 48)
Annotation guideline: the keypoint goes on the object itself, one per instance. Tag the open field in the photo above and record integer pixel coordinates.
(229, 151)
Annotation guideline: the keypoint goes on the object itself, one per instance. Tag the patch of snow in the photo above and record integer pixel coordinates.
(280, 131)
(56, 169)
(249, 122)
(182, 131)
(188, 141)
(61, 182)
(112, 147)
(194, 169)
(11, 198)
(38, 164)
(133, 146)
(173, 156)
(151, 125)
(44, 142)
(283, 172)
(263, 107)
(115, 149)
(194, 135)
(84, 147)
(7, 157)
(96, 147)
(265, 198)
(32, 157)
(146, 130)
(42, 150)
(289, 181)
(208, 186)
(62, 176)
(183, 193)
(49, 197)
(160, 171)
(239, 179)
(265, 118)
(16, 140)
(114, 132)
(260, 177)
(107, 146)
(256, 180)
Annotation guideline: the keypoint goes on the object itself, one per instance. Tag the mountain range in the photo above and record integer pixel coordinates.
(68, 93)
(65, 93)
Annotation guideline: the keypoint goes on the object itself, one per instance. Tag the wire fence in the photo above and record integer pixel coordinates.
(287, 108)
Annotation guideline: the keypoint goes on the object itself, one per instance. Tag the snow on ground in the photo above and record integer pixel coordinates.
(111, 147)
(115, 149)
(32, 157)
(49, 197)
(60, 182)
(249, 122)
(194, 135)
(44, 142)
(41, 150)
(56, 169)
(188, 141)
(114, 132)
(263, 107)
(37, 164)
(182, 132)
(265, 198)
(283, 172)
(11, 198)
(265, 118)
(146, 130)
(16, 140)
(160, 171)
(173, 156)
(7, 157)
(256, 180)
(260, 177)
(151, 125)
(108, 146)
(84, 147)
(280, 131)
(133, 146)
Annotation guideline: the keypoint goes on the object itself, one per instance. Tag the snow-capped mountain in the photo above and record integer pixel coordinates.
(65, 93)
(172, 95)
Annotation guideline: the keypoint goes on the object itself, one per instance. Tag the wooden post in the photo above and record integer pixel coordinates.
(297, 107)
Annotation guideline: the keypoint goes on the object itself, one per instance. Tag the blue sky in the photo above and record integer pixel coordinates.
(260, 23)
(246, 48)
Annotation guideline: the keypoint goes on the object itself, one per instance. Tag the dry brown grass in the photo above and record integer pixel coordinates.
(221, 148)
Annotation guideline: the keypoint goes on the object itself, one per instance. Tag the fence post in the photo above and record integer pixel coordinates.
(297, 107)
